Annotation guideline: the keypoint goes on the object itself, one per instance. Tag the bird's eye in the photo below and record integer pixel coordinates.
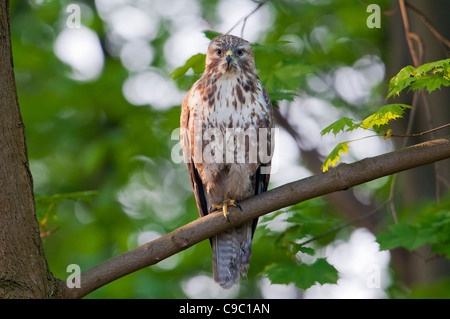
(240, 52)
(219, 52)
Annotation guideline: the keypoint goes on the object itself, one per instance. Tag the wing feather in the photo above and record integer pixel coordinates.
(196, 181)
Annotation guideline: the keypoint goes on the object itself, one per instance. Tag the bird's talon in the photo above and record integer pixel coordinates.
(224, 207)
(215, 207)
(236, 204)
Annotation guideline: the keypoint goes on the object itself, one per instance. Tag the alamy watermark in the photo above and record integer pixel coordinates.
(74, 279)
(226, 146)
(73, 20)
(374, 19)
(373, 279)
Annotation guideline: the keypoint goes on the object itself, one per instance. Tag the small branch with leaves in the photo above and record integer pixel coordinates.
(429, 76)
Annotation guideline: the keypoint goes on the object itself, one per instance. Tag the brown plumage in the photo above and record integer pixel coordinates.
(226, 121)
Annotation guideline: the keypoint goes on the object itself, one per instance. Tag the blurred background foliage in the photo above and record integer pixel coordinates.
(101, 111)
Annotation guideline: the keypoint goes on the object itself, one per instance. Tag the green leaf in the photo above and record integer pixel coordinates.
(303, 249)
(384, 115)
(436, 66)
(431, 226)
(284, 75)
(407, 236)
(401, 81)
(305, 220)
(333, 158)
(282, 95)
(211, 34)
(303, 276)
(429, 75)
(339, 126)
(196, 62)
(430, 82)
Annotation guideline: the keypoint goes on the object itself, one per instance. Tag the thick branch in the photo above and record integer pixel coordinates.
(341, 178)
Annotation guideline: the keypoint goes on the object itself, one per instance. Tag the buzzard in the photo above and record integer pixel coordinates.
(226, 136)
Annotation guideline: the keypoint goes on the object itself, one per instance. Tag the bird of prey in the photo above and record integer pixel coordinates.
(226, 136)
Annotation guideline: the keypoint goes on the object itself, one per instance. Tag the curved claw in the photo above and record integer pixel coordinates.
(224, 207)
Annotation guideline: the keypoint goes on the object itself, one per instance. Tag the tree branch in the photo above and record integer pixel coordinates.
(429, 25)
(337, 179)
(410, 35)
(244, 19)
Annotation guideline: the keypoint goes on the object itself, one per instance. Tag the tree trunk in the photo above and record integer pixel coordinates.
(24, 272)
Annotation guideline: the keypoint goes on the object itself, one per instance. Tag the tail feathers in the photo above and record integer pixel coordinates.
(231, 255)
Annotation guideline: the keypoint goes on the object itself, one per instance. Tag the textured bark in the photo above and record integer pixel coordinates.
(23, 268)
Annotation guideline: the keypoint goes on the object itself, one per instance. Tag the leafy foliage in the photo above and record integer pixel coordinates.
(375, 121)
(334, 157)
(429, 75)
(304, 275)
(304, 220)
(383, 116)
(432, 226)
(196, 62)
(340, 126)
(407, 236)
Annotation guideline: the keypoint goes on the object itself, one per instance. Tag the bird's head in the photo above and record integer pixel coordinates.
(229, 54)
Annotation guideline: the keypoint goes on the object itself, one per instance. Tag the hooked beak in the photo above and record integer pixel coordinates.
(229, 57)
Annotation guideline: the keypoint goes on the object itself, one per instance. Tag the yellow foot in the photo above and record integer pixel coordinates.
(224, 207)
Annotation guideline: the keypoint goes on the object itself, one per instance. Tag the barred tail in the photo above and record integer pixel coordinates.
(231, 254)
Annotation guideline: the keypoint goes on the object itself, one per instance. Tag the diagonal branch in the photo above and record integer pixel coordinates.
(341, 178)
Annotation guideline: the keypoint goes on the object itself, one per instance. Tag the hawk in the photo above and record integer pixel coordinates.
(226, 122)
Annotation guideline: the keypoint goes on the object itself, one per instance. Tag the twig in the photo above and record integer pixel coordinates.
(391, 199)
(429, 25)
(408, 33)
(48, 233)
(422, 133)
(426, 259)
(344, 225)
(419, 44)
(244, 19)
(340, 178)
